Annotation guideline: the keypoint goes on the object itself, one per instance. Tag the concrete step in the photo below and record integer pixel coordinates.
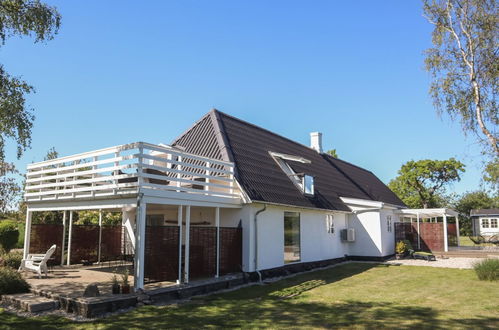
(30, 302)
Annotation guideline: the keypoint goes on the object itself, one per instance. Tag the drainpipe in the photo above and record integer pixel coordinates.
(256, 239)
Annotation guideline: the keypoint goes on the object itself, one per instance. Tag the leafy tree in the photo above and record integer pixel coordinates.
(464, 63)
(422, 183)
(28, 18)
(333, 153)
(9, 187)
(472, 200)
(491, 175)
(92, 218)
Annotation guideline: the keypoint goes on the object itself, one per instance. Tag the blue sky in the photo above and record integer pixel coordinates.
(123, 71)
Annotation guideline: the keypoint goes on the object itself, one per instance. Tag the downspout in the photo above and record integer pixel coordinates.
(256, 240)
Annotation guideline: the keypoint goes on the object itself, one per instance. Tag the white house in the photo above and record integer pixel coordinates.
(225, 196)
(485, 222)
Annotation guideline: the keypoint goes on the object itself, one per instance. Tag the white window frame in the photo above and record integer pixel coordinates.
(495, 224)
(330, 224)
(485, 223)
(389, 223)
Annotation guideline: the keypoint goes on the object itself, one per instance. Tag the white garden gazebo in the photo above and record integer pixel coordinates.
(432, 215)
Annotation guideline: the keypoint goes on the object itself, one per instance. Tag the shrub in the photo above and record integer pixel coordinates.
(12, 282)
(401, 247)
(487, 269)
(11, 259)
(9, 234)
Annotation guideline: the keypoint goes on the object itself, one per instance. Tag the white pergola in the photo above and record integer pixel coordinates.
(421, 214)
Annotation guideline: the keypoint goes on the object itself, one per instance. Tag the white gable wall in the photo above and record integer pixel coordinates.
(367, 234)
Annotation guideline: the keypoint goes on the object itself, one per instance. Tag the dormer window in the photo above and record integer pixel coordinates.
(308, 184)
(302, 181)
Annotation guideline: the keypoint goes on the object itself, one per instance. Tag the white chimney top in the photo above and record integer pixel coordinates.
(316, 141)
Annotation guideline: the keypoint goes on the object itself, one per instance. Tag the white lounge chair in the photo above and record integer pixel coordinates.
(37, 262)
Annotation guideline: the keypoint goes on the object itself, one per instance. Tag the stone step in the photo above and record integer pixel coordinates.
(30, 302)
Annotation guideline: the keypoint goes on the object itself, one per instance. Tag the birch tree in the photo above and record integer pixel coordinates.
(464, 65)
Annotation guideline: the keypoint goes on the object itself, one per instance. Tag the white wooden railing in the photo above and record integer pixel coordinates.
(126, 169)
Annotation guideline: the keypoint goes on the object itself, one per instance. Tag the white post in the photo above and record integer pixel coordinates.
(100, 237)
(446, 244)
(217, 223)
(207, 188)
(457, 231)
(63, 236)
(140, 245)
(187, 242)
(27, 234)
(419, 236)
(70, 236)
(179, 219)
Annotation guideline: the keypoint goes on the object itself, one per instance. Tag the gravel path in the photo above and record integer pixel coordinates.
(462, 263)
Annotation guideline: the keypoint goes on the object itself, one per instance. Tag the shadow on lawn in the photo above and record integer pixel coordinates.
(279, 305)
(282, 304)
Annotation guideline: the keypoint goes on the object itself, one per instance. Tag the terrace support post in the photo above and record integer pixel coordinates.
(419, 234)
(27, 233)
(217, 224)
(63, 236)
(457, 231)
(70, 237)
(179, 219)
(446, 244)
(100, 237)
(140, 244)
(187, 242)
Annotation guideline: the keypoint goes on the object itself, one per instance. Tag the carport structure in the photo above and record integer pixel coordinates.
(428, 229)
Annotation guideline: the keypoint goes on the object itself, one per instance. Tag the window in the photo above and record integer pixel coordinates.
(308, 184)
(389, 223)
(292, 252)
(485, 223)
(493, 223)
(330, 223)
(302, 181)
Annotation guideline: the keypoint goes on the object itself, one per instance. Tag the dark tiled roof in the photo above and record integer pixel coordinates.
(478, 212)
(261, 177)
(366, 181)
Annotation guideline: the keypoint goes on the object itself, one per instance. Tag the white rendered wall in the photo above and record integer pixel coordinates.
(367, 234)
(315, 242)
(387, 237)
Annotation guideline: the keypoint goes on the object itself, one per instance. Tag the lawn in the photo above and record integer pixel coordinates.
(347, 296)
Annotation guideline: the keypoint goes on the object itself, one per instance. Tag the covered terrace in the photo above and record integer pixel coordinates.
(428, 229)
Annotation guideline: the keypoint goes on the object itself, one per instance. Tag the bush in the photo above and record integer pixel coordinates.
(487, 270)
(401, 247)
(9, 234)
(12, 282)
(11, 259)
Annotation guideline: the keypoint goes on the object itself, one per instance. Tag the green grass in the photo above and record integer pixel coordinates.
(355, 295)
(465, 241)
